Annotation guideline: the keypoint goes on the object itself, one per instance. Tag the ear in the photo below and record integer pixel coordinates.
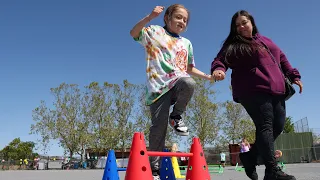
(166, 19)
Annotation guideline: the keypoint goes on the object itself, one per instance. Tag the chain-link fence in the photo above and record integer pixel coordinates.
(295, 155)
(295, 147)
(301, 155)
(302, 125)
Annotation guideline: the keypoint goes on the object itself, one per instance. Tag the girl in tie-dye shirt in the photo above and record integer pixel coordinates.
(170, 62)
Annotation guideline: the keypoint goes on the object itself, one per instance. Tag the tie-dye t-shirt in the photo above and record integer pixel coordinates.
(167, 59)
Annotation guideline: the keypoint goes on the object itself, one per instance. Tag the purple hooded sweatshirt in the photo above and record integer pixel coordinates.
(258, 72)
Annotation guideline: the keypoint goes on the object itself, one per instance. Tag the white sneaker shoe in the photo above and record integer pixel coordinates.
(178, 125)
(157, 177)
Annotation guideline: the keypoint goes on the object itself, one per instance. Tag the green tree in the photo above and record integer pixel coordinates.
(18, 149)
(125, 97)
(202, 113)
(64, 121)
(288, 125)
(237, 123)
(99, 113)
(44, 125)
(143, 115)
(249, 130)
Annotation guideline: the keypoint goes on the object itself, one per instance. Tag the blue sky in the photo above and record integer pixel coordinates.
(44, 43)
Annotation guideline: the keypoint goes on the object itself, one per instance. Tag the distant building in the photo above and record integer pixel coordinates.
(92, 153)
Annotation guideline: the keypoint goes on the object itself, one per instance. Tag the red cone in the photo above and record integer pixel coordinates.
(197, 165)
(138, 165)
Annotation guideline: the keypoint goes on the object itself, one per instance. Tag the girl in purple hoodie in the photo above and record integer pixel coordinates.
(258, 68)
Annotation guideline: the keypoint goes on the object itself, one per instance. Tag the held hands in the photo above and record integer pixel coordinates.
(299, 83)
(156, 12)
(210, 78)
(218, 75)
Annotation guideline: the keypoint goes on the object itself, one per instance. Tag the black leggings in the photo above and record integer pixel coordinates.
(268, 114)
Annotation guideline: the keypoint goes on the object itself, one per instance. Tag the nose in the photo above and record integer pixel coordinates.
(181, 21)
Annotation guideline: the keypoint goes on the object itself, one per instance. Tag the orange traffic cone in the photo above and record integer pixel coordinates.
(138, 165)
(197, 165)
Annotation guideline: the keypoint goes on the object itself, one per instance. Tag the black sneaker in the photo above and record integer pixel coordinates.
(249, 163)
(277, 174)
(178, 125)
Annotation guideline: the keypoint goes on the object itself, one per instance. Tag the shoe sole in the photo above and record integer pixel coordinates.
(273, 178)
(179, 133)
(293, 178)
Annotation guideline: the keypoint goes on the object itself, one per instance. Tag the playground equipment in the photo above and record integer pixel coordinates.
(277, 154)
(139, 166)
(111, 169)
(176, 168)
(218, 169)
(280, 164)
(238, 168)
(175, 163)
(167, 170)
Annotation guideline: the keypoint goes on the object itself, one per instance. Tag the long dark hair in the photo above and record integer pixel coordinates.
(235, 43)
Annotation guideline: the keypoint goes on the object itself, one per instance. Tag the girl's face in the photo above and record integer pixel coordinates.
(244, 26)
(177, 23)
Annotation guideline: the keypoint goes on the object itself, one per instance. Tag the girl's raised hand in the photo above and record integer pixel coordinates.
(156, 12)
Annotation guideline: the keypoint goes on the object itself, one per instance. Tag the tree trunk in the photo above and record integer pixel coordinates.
(71, 154)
